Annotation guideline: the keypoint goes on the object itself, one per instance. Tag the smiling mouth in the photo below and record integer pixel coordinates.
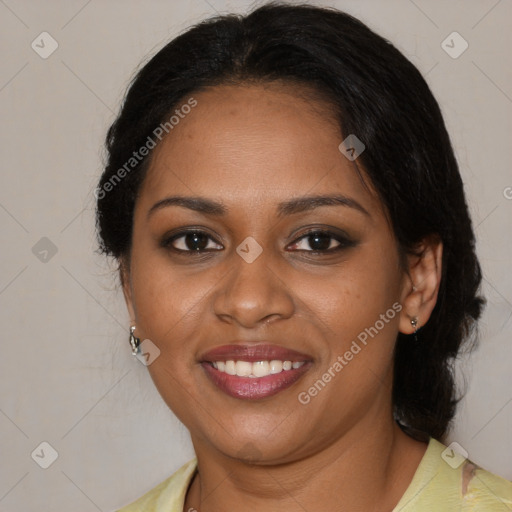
(251, 386)
(252, 371)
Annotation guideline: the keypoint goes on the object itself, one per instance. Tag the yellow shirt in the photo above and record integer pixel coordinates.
(443, 482)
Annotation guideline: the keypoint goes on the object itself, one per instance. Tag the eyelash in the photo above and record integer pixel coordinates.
(344, 242)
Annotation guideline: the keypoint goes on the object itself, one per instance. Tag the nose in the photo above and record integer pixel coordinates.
(253, 293)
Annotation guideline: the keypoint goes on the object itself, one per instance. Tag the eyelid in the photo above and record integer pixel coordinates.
(322, 229)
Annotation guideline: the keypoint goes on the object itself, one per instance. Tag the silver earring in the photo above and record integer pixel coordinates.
(414, 323)
(134, 341)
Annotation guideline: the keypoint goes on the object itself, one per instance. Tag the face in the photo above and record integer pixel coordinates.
(255, 270)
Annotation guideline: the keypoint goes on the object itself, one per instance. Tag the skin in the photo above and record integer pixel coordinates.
(251, 147)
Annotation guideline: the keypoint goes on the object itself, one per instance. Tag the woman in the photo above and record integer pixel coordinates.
(298, 262)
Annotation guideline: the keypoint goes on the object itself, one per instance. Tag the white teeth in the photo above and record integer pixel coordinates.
(261, 368)
(230, 368)
(256, 369)
(243, 368)
(276, 366)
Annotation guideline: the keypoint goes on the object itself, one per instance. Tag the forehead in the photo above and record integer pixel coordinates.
(247, 143)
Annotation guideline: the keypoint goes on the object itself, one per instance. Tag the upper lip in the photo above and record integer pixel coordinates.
(253, 353)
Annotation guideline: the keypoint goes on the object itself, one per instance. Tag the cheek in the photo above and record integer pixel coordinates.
(352, 296)
(358, 311)
(167, 305)
(167, 298)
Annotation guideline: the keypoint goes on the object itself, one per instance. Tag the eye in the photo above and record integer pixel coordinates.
(191, 241)
(321, 241)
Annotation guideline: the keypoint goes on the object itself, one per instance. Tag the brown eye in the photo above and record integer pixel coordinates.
(320, 241)
(192, 241)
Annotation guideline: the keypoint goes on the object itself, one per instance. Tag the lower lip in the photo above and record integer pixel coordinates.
(253, 388)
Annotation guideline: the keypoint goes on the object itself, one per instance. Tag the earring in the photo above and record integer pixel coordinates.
(414, 323)
(134, 341)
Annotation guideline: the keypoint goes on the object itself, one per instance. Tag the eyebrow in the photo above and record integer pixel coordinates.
(290, 207)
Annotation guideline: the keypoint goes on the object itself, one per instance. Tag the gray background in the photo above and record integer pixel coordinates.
(68, 377)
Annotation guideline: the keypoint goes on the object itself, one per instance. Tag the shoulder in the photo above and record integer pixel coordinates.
(167, 496)
(447, 481)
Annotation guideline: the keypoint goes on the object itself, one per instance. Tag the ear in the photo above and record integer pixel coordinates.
(124, 275)
(421, 283)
